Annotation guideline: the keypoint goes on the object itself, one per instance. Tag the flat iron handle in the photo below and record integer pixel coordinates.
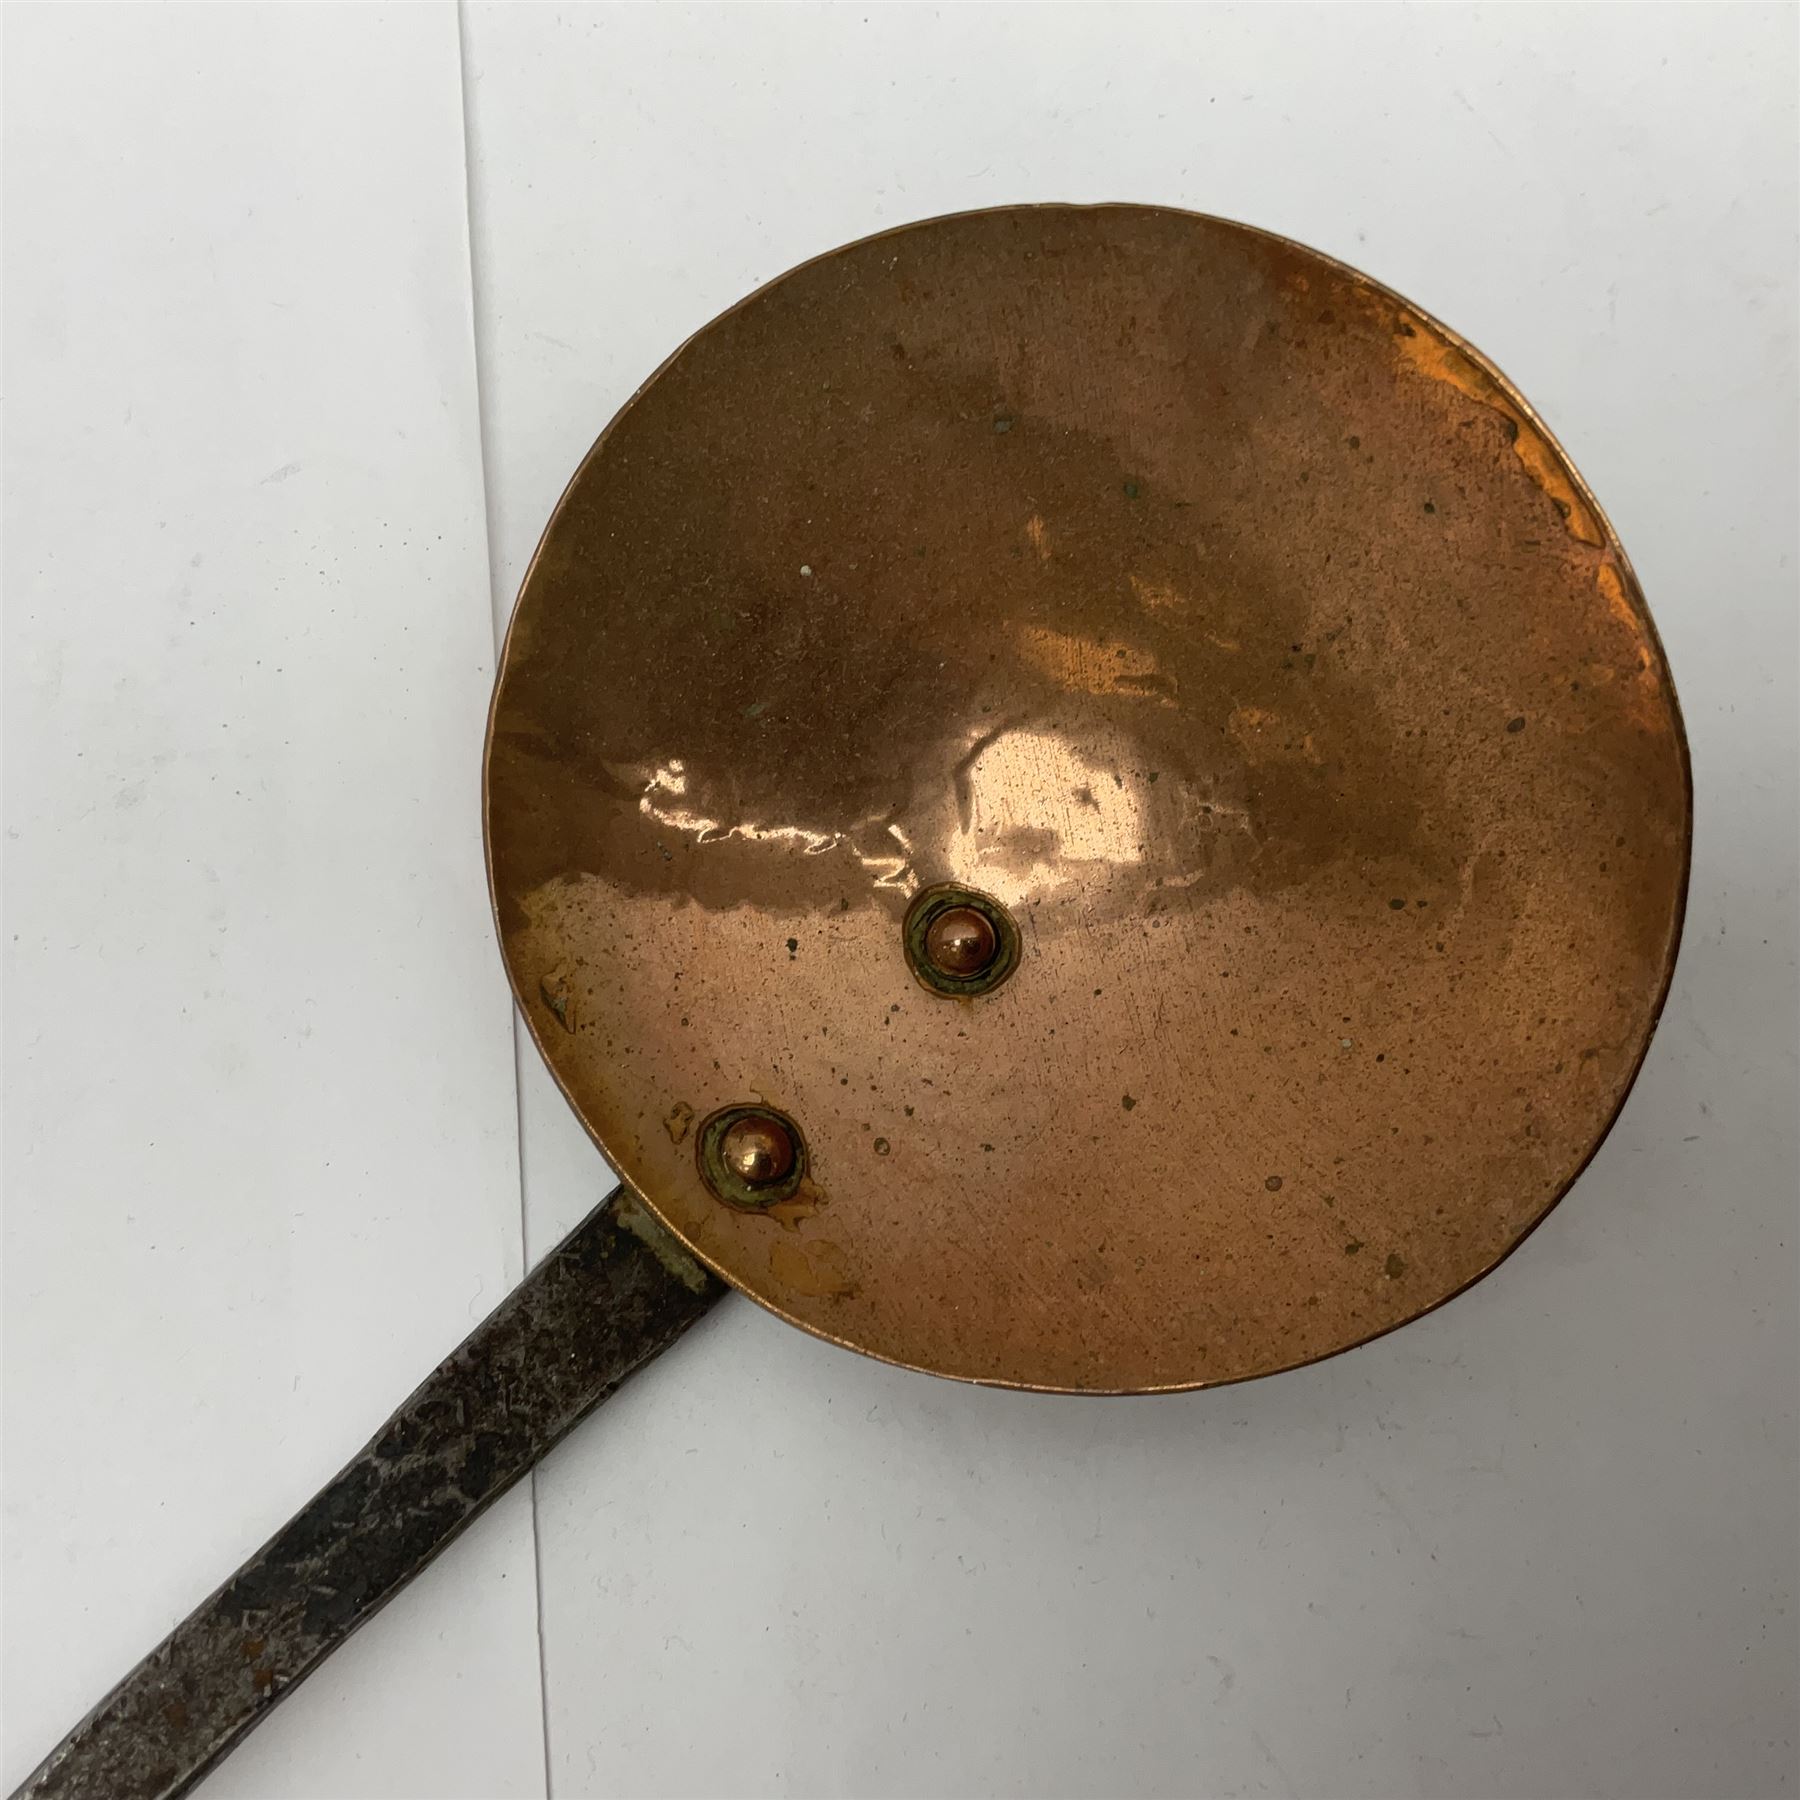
(610, 1298)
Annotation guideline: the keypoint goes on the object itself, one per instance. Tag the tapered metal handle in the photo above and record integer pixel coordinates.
(614, 1294)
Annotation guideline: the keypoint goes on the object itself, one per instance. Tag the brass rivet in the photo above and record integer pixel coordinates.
(961, 942)
(758, 1149)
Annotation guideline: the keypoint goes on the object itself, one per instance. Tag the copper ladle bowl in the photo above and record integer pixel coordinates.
(1233, 631)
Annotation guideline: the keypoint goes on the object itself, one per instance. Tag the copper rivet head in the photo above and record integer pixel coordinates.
(758, 1149)
(961, 942)
(751, 1157)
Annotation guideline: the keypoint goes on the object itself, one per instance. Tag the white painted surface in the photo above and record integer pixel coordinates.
(1543, 1543)
(260, 1159)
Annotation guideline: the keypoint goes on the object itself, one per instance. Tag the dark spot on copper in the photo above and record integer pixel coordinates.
(1273, 1184)
(1515, 724)
(558, 1002)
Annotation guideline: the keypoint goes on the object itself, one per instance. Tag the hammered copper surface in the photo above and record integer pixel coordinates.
(1224, 617)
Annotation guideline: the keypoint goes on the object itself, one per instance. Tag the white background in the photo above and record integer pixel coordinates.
(309, 312)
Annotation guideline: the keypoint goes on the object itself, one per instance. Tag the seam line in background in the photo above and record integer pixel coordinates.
(490, 542)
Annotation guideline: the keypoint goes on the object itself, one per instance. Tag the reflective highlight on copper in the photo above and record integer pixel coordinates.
(1224, 619)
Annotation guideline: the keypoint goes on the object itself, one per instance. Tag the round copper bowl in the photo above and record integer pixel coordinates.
(1234, 626)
